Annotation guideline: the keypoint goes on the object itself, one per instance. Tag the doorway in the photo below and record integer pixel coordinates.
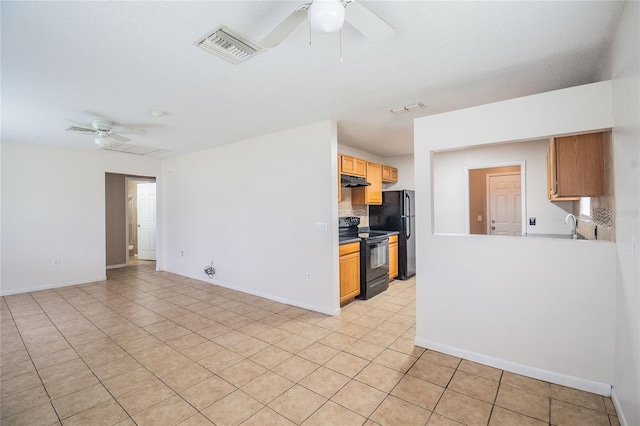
(141, 220)
(510, 207)
(121, 240)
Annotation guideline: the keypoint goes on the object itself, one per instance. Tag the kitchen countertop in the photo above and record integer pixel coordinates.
(349, 240)
(392, 232)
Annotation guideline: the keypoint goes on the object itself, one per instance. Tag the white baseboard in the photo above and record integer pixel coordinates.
(57, 285)
(122, 265)
(514, 367)
(265, 295)
(278, 299)
(616, 403)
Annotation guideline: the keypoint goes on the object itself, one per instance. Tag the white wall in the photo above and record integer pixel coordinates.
(523, 304)
(252, 208)
(355, 152)
(625, 72)
(406, 178)
(53, 206)
(450, 183)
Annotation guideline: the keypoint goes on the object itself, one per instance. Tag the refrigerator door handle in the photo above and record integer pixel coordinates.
(408, 218)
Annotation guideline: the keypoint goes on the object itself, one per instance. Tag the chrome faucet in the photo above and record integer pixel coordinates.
(574, 231)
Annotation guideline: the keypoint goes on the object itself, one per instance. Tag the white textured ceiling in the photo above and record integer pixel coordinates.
(120, 60)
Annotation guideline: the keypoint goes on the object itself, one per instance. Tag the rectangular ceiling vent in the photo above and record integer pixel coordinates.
(229, 45)
(129, 148)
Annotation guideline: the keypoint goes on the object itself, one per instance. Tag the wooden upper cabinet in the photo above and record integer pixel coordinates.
(353, 166)
(575, 167)
(371, 194)
(389, 174)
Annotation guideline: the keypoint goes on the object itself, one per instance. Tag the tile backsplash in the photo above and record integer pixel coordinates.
(345, 208)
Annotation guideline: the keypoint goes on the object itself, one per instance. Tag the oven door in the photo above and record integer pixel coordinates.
(376, 257)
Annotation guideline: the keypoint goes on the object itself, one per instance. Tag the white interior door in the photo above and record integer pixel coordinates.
(504, 207)
(147, 221)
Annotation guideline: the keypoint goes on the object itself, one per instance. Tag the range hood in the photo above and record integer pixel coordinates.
(353, 181)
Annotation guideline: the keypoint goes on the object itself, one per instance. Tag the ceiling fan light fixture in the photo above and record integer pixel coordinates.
(102, 140)
(326, 16)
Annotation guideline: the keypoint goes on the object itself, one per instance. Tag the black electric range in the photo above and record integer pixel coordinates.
(374, 256)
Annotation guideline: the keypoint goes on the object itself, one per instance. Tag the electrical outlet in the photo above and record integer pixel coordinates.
(181, 253)
(321, 226)
(532, 221)
(308, 276)
(55, 262)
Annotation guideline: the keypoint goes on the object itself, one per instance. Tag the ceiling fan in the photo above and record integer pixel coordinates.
(327, 16)
(105, 132)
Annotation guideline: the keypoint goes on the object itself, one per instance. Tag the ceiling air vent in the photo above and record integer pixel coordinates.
(229, 45)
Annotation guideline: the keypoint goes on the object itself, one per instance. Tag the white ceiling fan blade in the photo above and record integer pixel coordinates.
(367, 22)
(117, 137)
(285, 28)
(129, 130)
(81, 130)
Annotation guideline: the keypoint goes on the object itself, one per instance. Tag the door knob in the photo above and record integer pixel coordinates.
(493, 228)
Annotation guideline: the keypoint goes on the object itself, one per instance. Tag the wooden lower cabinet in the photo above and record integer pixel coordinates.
(393, 256)
(349, 271)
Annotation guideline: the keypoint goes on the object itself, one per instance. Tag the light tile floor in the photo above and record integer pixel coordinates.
(151, 348)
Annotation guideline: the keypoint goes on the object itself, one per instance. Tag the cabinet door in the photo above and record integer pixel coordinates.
(353, 166)
(389, 174)
(359, 167)
(579, 168)
(349, 276)
(394, 174)
(552, 180)
(373, 192)
(393, 260)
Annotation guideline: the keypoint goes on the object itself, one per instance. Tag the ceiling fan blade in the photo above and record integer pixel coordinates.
(82, 130)
(286, 27)
(117, 137)
(129, 130)
(367, 22)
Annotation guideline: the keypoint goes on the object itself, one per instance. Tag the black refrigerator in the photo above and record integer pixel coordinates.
(397, 214)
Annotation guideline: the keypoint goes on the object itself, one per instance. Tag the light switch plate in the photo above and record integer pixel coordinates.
(321, 226)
